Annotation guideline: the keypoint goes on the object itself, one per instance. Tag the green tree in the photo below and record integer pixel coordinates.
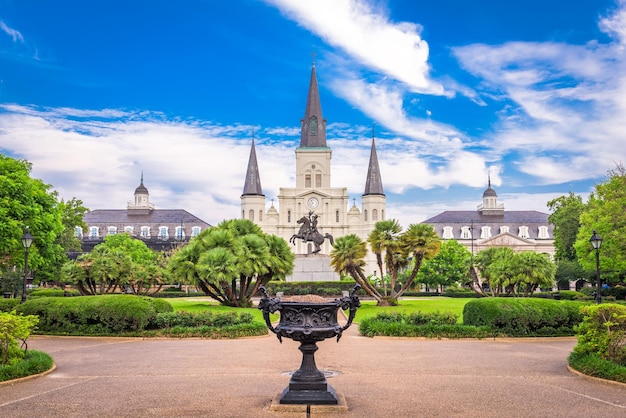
(565, 217)
(398, 250)
(450, 265)
(509, 272)
(72, 213)
(230, 261)
(384, 240)
(604, 213)
(348, 258)
(25, 201)
(120, 262)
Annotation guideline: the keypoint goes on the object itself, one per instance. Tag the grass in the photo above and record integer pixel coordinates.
(367, 309)
(34, 362)
(431, 304)
(593, 365)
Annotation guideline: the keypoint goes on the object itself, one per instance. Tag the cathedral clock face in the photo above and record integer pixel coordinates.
(313, 203)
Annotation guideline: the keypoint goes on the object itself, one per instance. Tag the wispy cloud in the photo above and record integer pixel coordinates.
(368, 35)
(14, 34)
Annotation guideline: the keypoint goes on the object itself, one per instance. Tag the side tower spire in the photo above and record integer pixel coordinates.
(252, 185)
(313, 125)
(373, 183)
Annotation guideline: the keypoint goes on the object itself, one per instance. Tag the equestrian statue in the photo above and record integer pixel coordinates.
(308, 232)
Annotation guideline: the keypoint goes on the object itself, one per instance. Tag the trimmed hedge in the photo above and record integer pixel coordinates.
(48, 293)
(524, 316)
(7, 305)
(94, 315)
(419, 324)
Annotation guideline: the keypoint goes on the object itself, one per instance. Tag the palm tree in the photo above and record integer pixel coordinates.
(419, 241)
(348, 257)
(385, 238)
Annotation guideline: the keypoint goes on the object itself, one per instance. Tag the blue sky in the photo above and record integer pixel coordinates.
(533, 92)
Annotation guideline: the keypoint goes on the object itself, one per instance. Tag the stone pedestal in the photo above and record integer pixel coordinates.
(313, 268)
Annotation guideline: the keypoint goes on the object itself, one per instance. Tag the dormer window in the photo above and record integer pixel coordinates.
(129, 230)
(543, 232)
(93, 232)
(112, 230)
(523, 232)
(78, 232)
(195, 231)
(447, 232)
(504, 229)
(145, 232)
(466, 232)
(485, 232)
(163, 232)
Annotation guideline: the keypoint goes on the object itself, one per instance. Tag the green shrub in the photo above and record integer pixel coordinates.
(231, 331)
(13, 330)
(7, 305)
(44, 292)
(185, 319)
(524, 316)
(417, 324)
(34, 362)
(603, 332)
(94, 315)
(570, 295)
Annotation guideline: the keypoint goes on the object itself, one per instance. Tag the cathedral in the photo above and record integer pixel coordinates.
(313, 201)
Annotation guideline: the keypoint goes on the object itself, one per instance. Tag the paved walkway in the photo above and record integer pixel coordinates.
(379, 377)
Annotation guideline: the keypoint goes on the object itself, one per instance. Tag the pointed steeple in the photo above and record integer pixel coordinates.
(373, 183)
(313, 125)
(252, 186)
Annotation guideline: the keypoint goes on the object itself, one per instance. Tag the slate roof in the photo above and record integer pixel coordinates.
(115, 217)
(513, 219)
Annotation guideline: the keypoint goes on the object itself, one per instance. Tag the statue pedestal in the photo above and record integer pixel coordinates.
(313, 268)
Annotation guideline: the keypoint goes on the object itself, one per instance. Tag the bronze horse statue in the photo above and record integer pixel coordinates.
(308, 232)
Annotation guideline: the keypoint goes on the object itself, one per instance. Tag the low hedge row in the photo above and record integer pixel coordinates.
(94, 315)
(524, 316)
(419, 324)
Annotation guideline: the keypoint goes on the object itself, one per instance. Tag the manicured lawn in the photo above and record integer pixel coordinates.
(431, 304)
(368, 308)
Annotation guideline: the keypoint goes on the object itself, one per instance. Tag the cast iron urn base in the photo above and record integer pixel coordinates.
(308, 323)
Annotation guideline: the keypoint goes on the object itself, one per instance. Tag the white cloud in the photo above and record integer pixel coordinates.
(365, 33)
(14, 34)
(566, 103)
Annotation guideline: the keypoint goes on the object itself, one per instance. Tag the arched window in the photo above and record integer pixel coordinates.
(336, 216)
(365, 215)
(307, 180)
(313, 125)
(383, 214)
(374, 214)
(260, 216)
(243, 214)
(318, 180)
(251, 215)
(288, 216)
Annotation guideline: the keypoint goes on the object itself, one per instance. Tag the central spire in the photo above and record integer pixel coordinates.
(373, 183)
(252, 186)
(313, 125)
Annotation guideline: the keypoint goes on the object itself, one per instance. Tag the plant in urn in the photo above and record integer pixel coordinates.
(308, 323)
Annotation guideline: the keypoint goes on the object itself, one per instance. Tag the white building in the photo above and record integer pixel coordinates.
(313, 195)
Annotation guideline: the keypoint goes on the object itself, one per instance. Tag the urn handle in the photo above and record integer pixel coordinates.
(269, 305)
(353, 303)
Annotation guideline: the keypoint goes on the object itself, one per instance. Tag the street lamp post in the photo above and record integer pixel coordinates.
(27, 240)
(596, 242)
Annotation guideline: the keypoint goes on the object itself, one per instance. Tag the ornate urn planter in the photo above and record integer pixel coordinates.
(308, 323)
